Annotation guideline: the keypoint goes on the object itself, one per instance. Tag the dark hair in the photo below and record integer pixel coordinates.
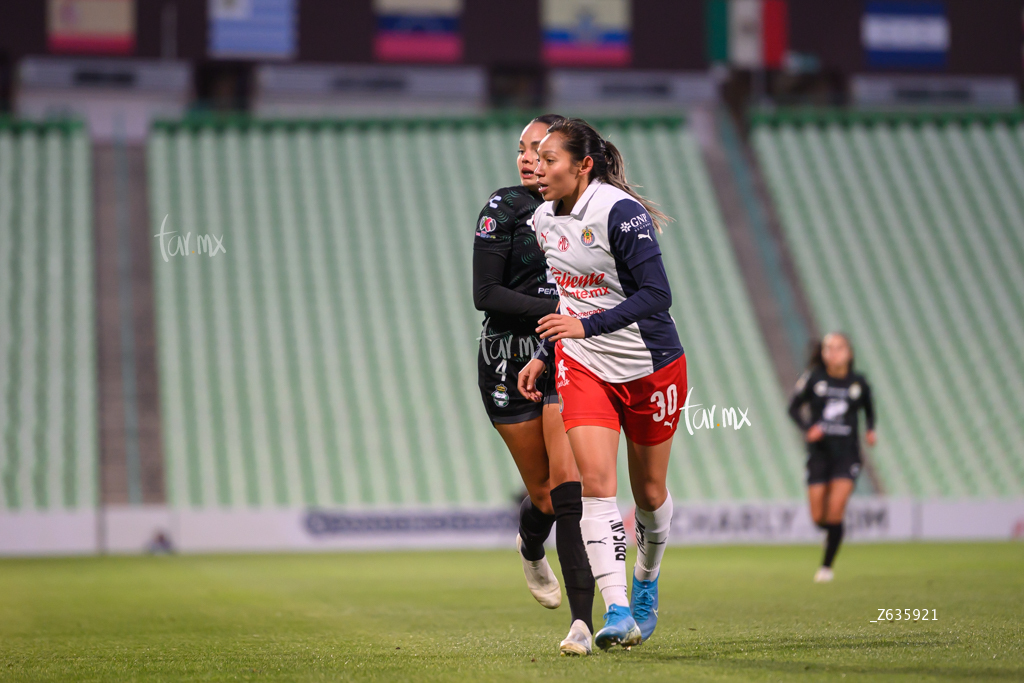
(582, 141)
(548, 119)
(816, 362)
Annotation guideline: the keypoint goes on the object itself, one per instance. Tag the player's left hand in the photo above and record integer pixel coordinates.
(870, 437)
(527, 380)
(553, 327)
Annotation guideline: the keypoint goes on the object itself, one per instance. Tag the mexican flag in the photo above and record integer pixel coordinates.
(748, 34)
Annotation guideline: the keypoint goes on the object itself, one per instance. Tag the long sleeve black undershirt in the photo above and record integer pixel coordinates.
(869, 408)
(490, 295)
(796, 403)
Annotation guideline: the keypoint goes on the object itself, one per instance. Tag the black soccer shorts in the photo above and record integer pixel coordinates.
(832, 458)
(498, 375)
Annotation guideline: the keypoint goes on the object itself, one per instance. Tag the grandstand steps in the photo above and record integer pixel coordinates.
(769, 274)
(121, 208)
(737, 219)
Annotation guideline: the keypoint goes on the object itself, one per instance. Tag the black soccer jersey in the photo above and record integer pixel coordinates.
(834, 403)
(510, 276)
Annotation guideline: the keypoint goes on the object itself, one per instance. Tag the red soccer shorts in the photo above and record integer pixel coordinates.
(648, 408)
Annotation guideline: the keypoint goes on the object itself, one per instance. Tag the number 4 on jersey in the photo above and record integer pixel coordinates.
(668, 403)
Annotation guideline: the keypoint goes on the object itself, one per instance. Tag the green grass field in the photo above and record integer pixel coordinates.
(735, 613)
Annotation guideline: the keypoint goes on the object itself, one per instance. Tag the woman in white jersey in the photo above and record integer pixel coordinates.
(618, 360)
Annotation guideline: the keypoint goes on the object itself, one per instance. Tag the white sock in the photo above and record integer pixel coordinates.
(605, 539)
(651, 534)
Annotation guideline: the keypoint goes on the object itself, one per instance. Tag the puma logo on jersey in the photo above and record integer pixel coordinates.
(644, 236)
(601, 541)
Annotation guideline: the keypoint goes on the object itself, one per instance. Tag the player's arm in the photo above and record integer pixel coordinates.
(528, 376)
(869, 413)
(489, 294)
(492, 247)
(801, 395)
(637, 248)
(653, 296)
(538, 364)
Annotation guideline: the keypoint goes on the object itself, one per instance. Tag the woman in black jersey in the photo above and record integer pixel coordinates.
(512, 285)
(833, 394)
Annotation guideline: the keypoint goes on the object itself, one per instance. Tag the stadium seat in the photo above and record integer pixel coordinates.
(907, 233)
(329, 356)
(48, 394)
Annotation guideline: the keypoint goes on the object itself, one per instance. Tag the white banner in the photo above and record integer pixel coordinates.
(59, 532)
(875, 519)
(972, 519)
(134, 530)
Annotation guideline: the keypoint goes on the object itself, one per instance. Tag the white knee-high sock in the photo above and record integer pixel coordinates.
(605, 538)
(652, 530)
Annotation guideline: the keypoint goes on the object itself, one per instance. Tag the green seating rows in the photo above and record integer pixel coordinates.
(909, 234)
(329, 356)
(48, 393)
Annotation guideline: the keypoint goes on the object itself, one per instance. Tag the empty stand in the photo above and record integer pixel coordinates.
(329, 356)
(908, 232)
(48, 424)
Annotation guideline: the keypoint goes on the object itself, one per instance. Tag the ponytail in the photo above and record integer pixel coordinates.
(615, 175)
(582, 141)
(814, 359)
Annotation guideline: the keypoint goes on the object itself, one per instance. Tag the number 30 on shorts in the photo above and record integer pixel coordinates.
(667, 402)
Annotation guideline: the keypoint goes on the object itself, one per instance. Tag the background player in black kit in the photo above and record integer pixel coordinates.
(511, 285)
(833, 395)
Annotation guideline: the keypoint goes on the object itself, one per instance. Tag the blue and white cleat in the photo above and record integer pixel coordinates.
(644, 605)
(619, 629)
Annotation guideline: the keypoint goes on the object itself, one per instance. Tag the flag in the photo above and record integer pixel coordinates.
(418, 31)
(91, 26)
(911, 35)
(586, 32)
(748, 34)
(252, 29)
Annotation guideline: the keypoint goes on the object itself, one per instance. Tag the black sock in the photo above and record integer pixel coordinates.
(835, 537)
(534, 528)
(567, 501)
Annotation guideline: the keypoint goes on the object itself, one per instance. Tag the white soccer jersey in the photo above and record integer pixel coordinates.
(592, 254)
